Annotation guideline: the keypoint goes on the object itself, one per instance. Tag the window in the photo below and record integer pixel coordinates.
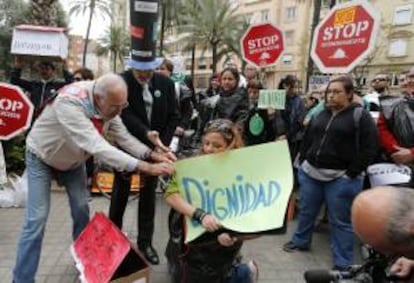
(289, 37)
(287, 59)
(394, 79)
(249, 18)
(265, 16)
(397, 48)
(403, 15)
(202, 64)
(291, 13)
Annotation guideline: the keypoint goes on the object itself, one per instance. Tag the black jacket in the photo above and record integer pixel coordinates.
(164, 117)
(330, 141)
(233, 105)
(185, 105)
(40, 91)
(261, 128)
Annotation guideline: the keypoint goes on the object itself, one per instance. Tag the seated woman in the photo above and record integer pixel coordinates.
(213, 257)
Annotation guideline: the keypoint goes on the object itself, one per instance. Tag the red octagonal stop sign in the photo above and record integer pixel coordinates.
(16, 111)
(345, 37)
(262, 45)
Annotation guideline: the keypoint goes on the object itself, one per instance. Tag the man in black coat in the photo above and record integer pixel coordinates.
(152, 116)
(147, 114)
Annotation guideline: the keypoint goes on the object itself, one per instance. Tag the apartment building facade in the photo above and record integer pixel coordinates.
(394, 52)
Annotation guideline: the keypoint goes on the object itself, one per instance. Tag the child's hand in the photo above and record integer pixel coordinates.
(211, 223)
(226, 240)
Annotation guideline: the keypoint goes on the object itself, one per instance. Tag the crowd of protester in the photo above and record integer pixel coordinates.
(333, 134)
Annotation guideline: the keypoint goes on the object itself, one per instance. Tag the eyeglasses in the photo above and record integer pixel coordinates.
(114, 108)
(77, 79)
(379, 80)
(223, 126)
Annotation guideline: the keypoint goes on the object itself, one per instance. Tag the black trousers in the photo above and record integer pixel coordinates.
(146, 205)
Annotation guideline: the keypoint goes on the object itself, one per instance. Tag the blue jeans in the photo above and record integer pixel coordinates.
(240, 274)
(40, 176)
(338, 196)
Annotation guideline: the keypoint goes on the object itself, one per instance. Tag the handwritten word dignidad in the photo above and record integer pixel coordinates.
(235, 200)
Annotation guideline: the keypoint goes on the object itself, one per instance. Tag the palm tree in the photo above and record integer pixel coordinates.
(12, 13)
(169, 16)
(93, 7)
(116, 41)
(212, 25)
(44, 12)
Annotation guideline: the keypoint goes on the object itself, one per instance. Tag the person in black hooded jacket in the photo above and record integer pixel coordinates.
(338, 146)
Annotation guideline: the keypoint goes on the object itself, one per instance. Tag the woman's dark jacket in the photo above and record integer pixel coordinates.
(232, 105)
(330, 141)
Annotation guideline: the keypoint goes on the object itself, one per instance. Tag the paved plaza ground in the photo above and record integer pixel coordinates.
(56, 265)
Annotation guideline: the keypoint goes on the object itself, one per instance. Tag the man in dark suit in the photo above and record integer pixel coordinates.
(152, 116)
(144, 121)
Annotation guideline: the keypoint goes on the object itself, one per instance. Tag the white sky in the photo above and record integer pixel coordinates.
(77, 25)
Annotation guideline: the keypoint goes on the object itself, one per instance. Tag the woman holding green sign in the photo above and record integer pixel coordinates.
(212, 258)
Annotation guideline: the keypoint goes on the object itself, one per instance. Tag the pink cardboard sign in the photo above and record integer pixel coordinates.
(99, 250)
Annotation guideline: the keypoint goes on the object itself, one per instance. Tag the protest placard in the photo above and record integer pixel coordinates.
(247, 189)
(40, 41)
(383, 174)
(104, 254)
(272, 98)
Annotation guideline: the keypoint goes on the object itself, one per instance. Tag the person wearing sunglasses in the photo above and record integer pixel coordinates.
(212, 258)
(83, 74)
(380, 87)
(42, 90)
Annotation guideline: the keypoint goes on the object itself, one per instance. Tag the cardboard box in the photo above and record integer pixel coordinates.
(104, 254)
(41, 41)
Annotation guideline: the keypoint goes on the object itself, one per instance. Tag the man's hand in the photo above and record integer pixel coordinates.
(167, 157)
(402, 155)
(226, 240)
(154, 138)
(156, 169)
(18, 62)
(402, 268)
(211, 223)
(179, 131)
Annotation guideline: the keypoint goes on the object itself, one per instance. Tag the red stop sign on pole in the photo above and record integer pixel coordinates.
(262, 45)
(345, 37)
(16, 111)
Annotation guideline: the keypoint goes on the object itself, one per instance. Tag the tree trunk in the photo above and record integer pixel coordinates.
(193, 51)
(163, 15)
(114, 61)
(88, 30)
(315, 21)
(214, 54)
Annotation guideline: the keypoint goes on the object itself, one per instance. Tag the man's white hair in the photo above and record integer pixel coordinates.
(108, 82)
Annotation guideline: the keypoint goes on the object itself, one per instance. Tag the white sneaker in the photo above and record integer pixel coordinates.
(254, 271)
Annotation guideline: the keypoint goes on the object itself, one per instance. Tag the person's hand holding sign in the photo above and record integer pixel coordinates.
(226, 240)
(211, 223)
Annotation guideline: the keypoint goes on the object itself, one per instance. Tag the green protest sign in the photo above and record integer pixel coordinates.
(272, 98)
(247, 189)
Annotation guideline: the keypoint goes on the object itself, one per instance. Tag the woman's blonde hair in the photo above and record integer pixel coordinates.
(230, 131)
